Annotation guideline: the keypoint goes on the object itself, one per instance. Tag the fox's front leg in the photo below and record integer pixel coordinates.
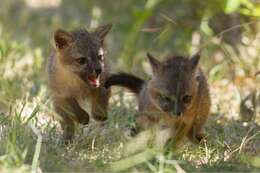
(70, 111)
(196, 132)
(99, 104)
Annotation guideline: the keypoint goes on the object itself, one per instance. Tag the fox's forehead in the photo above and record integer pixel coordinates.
(177, 63)
(176, 75)
(172, 88)
(85, 50)
(177, 69)
(85, 39)
(87, 45)
(82, 35)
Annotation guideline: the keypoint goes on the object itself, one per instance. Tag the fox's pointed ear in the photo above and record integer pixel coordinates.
(102, 31)
(62, 39)
(194, 60)
(155, 64)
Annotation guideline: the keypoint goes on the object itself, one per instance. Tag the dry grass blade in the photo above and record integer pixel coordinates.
(36, 156)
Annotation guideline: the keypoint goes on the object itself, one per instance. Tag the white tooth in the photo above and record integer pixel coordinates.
(101, 51)
(98, 81)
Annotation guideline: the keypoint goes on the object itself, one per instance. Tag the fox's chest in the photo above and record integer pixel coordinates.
(85, 104)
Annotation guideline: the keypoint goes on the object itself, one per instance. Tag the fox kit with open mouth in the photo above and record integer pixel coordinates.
(76, 72)
(177, 96)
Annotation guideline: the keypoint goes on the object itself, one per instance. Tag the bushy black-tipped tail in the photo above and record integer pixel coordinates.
(125, 80)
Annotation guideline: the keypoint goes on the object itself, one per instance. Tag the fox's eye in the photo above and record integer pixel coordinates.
(186, 99)
(81, 60)
(167, 99)
(100, 57)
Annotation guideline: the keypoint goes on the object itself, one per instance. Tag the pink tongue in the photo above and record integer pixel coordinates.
(93, 81)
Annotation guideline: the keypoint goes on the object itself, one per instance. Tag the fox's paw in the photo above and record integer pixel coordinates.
(201, 137)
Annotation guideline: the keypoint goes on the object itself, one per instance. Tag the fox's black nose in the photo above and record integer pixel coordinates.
(98, 70)
(177, 112)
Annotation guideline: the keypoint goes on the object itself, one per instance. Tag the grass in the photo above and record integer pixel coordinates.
(29, 135)
(28, 145)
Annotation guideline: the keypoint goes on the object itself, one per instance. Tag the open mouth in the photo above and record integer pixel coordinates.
(93, 80)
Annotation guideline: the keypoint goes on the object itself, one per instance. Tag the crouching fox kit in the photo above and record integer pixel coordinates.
(76, 71)
(177, 96)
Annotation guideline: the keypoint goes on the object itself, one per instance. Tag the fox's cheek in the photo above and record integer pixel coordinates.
(83, 71)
